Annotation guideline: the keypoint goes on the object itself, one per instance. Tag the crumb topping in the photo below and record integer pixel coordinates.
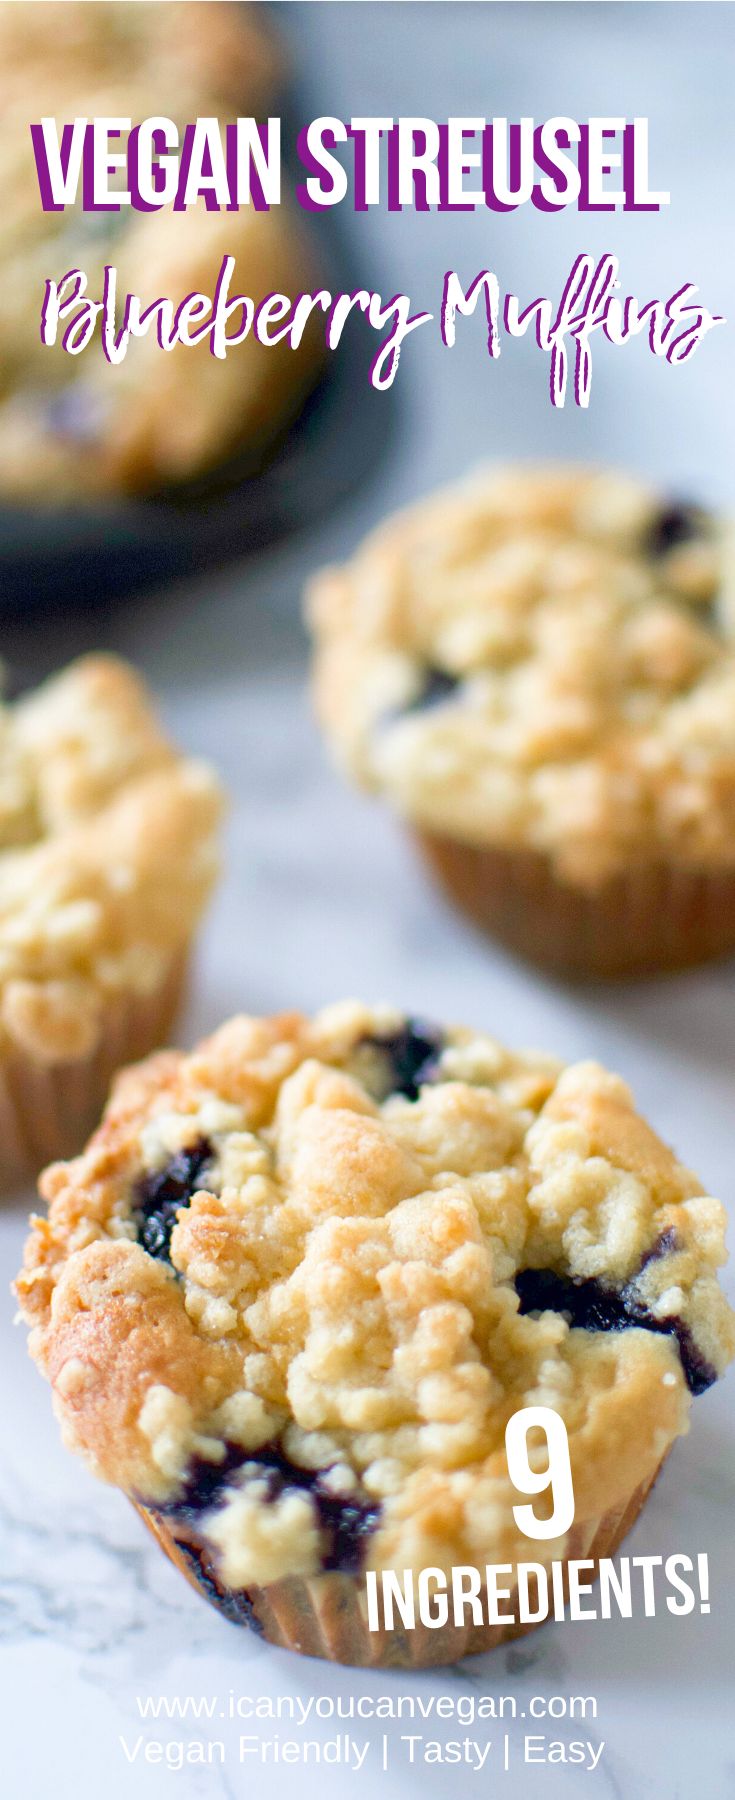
(107, 854)
(316, 1358)
(541, 659)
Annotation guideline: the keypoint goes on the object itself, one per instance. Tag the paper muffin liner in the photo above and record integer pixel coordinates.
(657, 916)
(326, 1615)
(47, 1110)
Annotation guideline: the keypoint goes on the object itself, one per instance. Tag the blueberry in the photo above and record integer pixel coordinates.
(401, 1061)
(159, 1197)
(205, 1483)
(346, 1522)
(665, 1245)
(349, 1525)
(592, 1307)
(699, 1373)
(437, 685)
(677, 524)
(234, 1603)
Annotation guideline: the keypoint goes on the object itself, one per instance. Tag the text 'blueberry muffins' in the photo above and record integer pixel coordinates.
(302, 1277)
(537, 669)
(74, 426)
(107, 857)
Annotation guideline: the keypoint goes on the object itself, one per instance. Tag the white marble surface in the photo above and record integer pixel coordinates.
(322, 897)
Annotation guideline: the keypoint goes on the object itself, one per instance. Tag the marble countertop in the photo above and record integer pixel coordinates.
(323, 896)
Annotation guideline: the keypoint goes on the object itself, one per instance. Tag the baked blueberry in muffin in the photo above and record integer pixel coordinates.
(298, 1282)
(536, 669)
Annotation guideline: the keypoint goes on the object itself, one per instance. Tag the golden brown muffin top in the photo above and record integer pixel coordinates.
(107, 852)
(319, 1264)
(542, 659)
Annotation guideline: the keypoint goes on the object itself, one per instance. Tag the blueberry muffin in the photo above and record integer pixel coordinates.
(107, 857)
(300, 1279)
(537, 670)
(72, 427)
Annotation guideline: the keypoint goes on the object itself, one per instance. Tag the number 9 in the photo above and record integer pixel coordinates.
(557, 1475)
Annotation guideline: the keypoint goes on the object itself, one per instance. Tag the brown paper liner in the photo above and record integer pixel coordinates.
(47, 1110)
(654, 917)
(326, 1615)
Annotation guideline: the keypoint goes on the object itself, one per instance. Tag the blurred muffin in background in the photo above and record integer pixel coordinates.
(537, 669)
(76, 426)
(107, 858)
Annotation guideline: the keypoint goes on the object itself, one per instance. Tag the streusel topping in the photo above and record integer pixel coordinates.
(541, 659)
(301, 1278)
(107, 853)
